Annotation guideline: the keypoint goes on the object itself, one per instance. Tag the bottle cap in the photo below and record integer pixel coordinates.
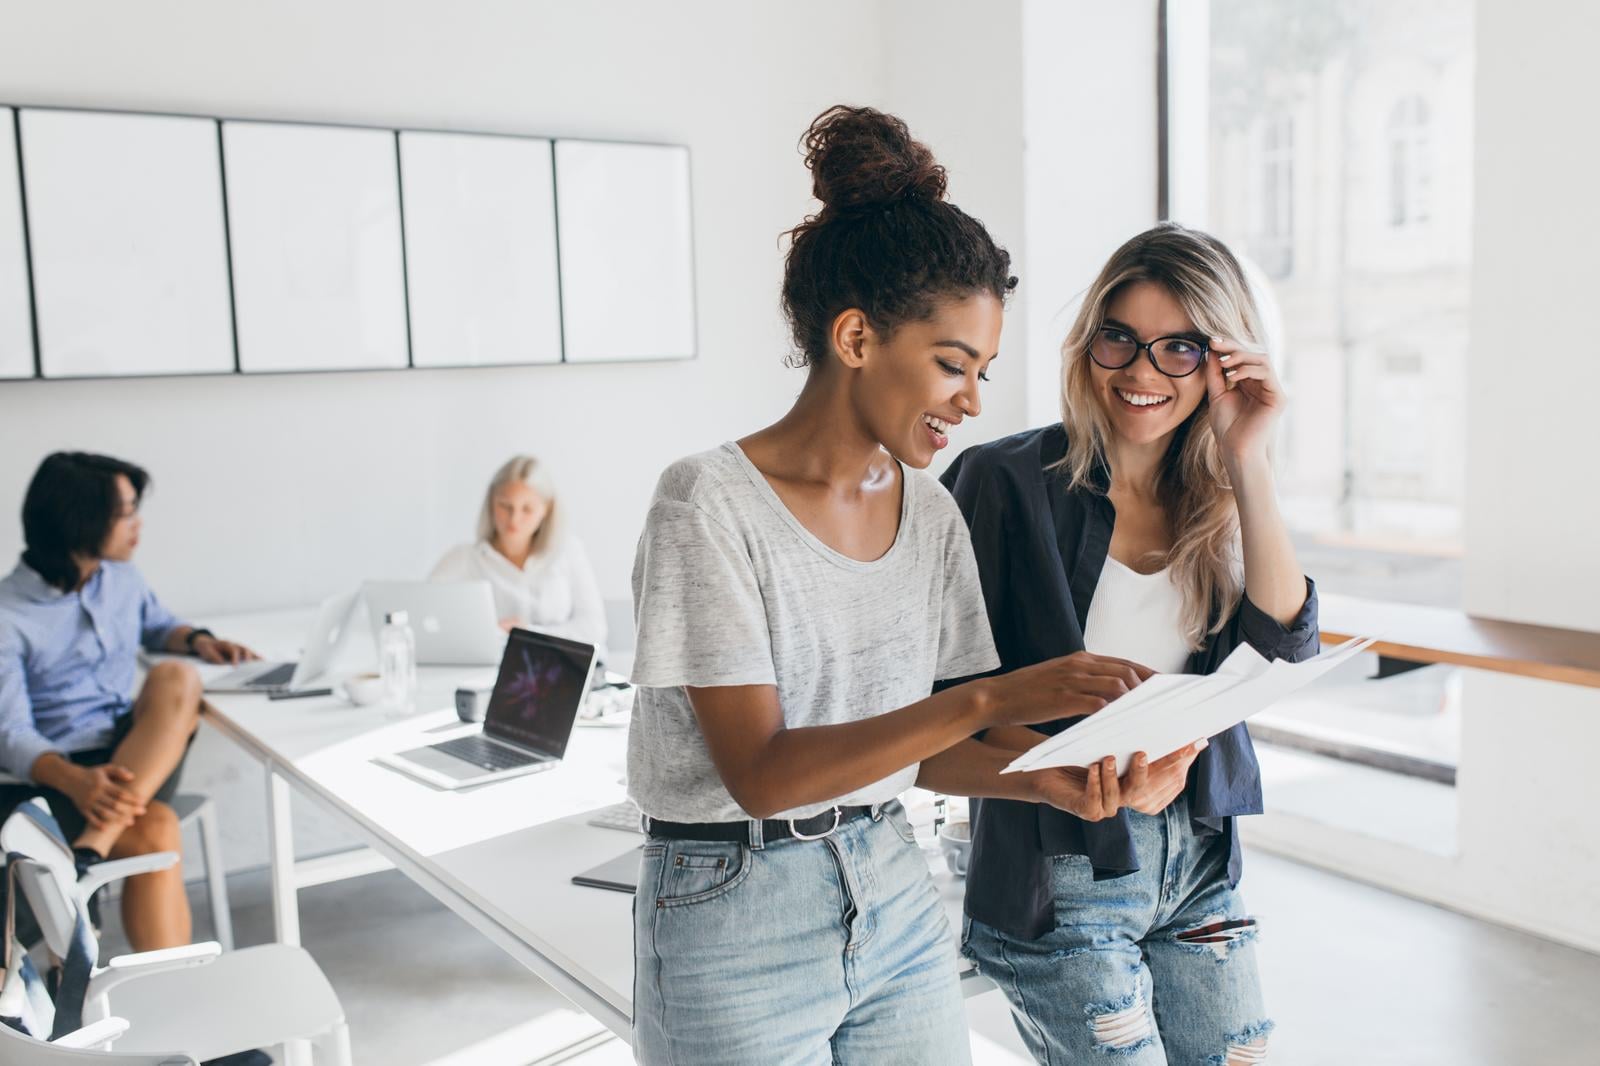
(398, 618)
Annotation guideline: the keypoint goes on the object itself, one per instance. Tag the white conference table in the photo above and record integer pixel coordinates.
(501, 855)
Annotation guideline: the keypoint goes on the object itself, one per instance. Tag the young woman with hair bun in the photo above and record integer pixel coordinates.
(798, 592)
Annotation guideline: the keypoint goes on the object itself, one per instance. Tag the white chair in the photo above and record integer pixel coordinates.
(81, 1049)
(203, 813)
(190, 807)
(191, 997)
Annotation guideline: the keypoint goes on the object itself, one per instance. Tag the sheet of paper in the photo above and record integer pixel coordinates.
(1158, 690)
(1181, 708)
(1162, 688)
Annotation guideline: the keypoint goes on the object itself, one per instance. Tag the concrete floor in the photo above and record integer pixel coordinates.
(1353, 975)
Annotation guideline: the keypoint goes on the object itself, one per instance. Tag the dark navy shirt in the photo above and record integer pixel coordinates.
(1040, 548)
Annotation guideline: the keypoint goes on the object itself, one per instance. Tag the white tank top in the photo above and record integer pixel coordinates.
(1139, 617)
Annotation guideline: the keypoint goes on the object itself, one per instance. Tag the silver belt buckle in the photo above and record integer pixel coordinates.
(838, 815)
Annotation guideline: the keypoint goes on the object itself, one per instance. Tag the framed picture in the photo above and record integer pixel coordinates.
(318, 273)
(480, 236)
(16, 313)
(129, 249)
(627, 251)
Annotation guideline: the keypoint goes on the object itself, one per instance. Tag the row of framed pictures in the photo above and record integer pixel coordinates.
(141, 244)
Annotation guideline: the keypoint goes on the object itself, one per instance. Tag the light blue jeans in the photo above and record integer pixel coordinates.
(798, 952)
(1156, 967)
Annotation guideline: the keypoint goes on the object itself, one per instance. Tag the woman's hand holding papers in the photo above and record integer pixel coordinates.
(1148, 787)
(1091, 794)
(1070, 686)
(1076, 684)
(1095, 792)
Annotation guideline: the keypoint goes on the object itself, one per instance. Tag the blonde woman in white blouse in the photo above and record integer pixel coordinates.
(541, 577)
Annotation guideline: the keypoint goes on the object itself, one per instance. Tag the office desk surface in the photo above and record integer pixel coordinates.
(501, 855)
(328, 747)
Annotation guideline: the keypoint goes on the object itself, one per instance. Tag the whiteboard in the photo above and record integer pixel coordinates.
(480, 237)
(130, 271)
(627, 253)
(16, 318)
(314, 216)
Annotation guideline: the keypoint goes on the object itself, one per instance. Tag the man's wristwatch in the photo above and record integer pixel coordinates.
(196, 634)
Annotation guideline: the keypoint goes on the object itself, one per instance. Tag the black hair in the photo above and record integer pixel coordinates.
(886, 241)
(69, 509)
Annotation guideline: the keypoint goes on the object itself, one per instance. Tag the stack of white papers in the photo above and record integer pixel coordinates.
(1171, 710)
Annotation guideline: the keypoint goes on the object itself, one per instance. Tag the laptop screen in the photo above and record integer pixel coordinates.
(542, 681)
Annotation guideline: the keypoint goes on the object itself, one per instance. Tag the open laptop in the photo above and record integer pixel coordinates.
(542, 682)
(326, 637)
(454, 621)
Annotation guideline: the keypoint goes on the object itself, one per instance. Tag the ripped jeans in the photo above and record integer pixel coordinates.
(1156, 967)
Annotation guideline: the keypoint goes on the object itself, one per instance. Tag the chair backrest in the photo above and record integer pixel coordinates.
(47, 886)
(19, 1050)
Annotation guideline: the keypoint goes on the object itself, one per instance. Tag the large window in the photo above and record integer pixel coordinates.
(1329, 142)
(1409, 161)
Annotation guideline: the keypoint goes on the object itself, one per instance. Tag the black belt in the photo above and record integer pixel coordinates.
(814, 828)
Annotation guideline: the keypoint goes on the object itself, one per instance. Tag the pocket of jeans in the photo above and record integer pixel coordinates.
(895, 815)
(695, 871)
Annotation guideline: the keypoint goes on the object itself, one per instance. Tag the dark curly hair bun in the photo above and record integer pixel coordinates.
(860, 157)
(886, 241)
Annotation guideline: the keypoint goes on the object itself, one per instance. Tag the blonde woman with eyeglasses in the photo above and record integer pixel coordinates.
(1144, 526)
(540, 574)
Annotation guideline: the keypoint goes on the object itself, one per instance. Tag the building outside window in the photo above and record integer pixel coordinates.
(1273, 243)
(1330, 143)
(1408, 162)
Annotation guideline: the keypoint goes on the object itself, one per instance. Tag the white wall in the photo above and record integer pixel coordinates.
(1533, 487)
(1024, 101)
(953, 71)
(275, 491)
(1089, 166)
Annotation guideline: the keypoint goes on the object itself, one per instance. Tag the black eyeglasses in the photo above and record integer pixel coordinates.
(1176, 357)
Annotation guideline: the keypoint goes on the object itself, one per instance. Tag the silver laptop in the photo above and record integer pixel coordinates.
(326, 637)
(542, 682)
(454, 621)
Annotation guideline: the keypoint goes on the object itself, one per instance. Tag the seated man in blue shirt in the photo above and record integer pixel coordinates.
(72, 617)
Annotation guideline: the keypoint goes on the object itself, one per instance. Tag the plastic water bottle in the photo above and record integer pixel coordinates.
(397, 662)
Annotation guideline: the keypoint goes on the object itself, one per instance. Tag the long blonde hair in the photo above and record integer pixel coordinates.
(536, 475)
(1205, 278)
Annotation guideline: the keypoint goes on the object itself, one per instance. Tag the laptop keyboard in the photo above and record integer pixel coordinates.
(275, 678)
(623, 816)
(481, 751)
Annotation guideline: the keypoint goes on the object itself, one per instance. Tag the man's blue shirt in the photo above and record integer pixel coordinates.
(68, 659)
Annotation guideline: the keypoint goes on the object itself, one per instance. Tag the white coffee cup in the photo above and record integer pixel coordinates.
(955, 840)
(362, 689)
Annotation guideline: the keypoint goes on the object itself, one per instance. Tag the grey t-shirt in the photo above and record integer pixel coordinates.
(730, 589)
